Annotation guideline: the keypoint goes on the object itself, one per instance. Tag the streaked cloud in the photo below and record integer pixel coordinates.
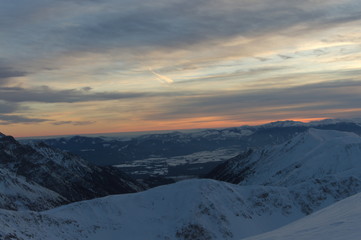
(16, 119)
(68, 65)
(321, 99)
(76, 123)
(45, 94)
(7, 73)
(162, 78)
(6, 107)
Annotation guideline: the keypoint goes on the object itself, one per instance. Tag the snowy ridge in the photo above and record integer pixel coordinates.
(194, 209)
(310, 155)
(339, 221)
(18, 194)
(290, 123)
(314, 154)
(287, 123)
(319, 167)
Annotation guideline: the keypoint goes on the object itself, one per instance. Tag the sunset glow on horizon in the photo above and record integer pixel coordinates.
(156, 127)
(77, 67)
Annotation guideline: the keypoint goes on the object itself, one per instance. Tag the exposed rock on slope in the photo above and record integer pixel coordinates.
(18, 194)
(64, 173)
(337, 222)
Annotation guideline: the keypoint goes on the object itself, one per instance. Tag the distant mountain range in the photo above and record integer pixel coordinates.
(187, 154)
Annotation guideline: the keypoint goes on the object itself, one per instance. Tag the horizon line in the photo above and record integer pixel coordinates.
(145, 132)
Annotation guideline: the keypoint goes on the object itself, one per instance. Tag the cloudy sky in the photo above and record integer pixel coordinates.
(90, 66)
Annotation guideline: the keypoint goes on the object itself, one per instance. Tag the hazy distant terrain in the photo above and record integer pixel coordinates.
(186, 154)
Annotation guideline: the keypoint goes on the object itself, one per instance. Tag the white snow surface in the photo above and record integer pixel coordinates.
(319, 167)
(339, 221)
(192, 209)
(315, 154)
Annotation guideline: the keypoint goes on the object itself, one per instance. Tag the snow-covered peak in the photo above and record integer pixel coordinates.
(312, 154)
(287, 123)
(315, 139)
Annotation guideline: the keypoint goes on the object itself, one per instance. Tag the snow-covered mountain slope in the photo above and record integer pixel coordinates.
(18, 194)
(315, 154)
(187, 210)
(27, 225)
(339, 221)
(64, 173)
(319, 167)
(193, 209)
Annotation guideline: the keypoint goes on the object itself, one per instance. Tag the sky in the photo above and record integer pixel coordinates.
(91, 66)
